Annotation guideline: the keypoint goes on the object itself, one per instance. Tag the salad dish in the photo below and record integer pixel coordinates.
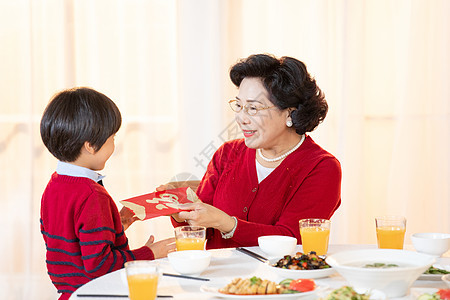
(349, 293)
(442, 294)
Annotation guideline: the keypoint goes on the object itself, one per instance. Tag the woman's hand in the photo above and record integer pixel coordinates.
(161, 248)
(202, 214)
(127, 217)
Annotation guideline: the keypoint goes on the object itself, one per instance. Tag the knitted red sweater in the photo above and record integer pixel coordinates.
(83, 234)
(307, 184)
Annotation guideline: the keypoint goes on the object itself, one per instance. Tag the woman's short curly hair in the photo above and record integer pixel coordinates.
(289, 86)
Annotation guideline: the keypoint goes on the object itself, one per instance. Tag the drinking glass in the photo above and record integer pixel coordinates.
(390, 231)
(142, 277)
(190, 238)
(315, 235)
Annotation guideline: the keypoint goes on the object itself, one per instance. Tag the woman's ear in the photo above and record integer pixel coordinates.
(89, 148)
(290, 110)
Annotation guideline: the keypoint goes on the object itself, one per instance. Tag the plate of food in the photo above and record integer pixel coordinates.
(430, 293)
(257, 288)
(300, 266)
(435, 272)
(349, 293)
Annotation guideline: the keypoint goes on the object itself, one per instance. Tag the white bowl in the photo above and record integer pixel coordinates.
(277, 245)
(446, 279)
(189, 262)
(431, 243)
(394, 282)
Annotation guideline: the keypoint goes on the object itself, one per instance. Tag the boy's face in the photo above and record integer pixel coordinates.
(103, 154)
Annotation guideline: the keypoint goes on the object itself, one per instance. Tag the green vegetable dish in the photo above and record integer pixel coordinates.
(433, 270)
(346, 293)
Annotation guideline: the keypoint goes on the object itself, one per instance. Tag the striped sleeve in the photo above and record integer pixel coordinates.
(104, 246)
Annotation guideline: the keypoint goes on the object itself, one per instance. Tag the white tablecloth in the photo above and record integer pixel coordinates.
(227, 264)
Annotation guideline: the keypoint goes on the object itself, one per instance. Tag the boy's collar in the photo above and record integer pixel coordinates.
(68, 169)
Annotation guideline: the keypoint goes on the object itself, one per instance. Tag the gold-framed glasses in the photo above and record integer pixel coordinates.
(249, 109)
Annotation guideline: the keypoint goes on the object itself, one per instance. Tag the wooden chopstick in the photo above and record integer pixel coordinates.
(185, 277)
(115, 296)
(252, 254)
(101, 296)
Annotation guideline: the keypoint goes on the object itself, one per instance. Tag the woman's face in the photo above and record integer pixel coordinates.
(267, 129)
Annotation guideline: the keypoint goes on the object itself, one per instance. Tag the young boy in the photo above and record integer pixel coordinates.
(80, 222)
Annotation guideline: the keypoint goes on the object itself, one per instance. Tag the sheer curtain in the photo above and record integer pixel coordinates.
(383, 65)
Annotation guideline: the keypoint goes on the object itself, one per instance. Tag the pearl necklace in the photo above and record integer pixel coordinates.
(282, 156)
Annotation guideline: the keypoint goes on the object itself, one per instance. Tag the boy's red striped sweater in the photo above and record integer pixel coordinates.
(83, 233)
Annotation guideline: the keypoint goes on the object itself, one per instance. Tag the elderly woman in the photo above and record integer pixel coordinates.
(265, 183)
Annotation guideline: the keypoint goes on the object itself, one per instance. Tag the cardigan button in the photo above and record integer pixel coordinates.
(245, 209)
(254, 190)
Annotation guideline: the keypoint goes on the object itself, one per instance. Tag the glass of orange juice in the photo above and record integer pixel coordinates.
(142, 277)
(315, 235)
(390, 231)
(190, 238)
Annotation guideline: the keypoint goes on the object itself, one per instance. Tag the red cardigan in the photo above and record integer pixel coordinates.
(307, 184)
(83, 233)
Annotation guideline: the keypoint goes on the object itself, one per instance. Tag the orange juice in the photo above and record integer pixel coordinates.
(390, 237)
(190, 244)
(315, 239)
(142, 286)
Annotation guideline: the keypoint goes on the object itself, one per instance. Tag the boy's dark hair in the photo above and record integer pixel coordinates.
(76, 116)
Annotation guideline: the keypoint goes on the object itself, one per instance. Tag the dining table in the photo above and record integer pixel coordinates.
(227, 264)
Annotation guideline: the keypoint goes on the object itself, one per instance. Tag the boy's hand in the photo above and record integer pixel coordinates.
(177, 218)
(161, 248)
(193, 184)
(127, 217)
(167, 186)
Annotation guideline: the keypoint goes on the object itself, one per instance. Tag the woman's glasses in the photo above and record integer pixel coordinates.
(249, 109)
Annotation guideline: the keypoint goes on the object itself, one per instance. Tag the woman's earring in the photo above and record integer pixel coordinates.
(289, 123)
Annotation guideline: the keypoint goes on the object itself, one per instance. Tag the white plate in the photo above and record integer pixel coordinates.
(214, 291)
(430, 277)
(296, 274)
(435, 277)
(374, 294)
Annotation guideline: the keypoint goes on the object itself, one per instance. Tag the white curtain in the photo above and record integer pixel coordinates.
(384, 66)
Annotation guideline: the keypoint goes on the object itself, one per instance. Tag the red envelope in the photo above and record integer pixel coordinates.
(160, 203)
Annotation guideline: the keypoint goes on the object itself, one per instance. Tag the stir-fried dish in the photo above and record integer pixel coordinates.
(300, 261)
(251, 286)
(258, 286)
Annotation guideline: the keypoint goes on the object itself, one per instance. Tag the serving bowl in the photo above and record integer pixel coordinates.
(189, 262)
(431, 243)
(393, 281)
(277, 245)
